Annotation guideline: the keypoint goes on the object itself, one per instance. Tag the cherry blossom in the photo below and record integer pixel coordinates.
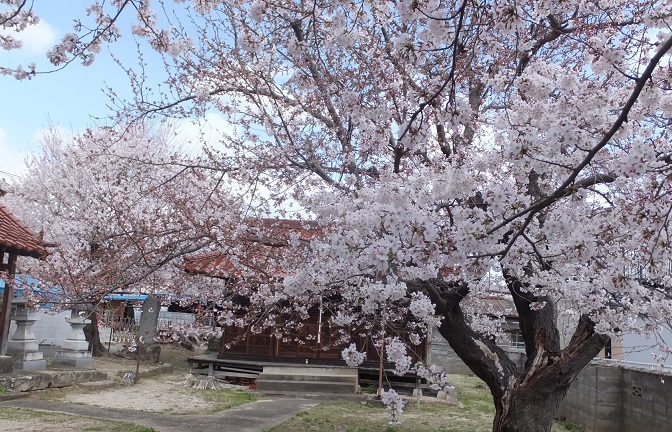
(106, 200)
(433, 141)
(395, 406)
(352, 357)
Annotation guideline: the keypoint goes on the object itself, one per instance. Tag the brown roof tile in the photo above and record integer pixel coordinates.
(260, 249)
(15, 237)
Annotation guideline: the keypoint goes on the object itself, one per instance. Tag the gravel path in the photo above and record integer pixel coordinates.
(253, 417)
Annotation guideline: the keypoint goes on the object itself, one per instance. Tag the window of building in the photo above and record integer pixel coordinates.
(517, 340)
(607, 350)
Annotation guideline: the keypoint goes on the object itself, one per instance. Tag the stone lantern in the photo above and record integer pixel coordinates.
(23, 347)
(75, 350)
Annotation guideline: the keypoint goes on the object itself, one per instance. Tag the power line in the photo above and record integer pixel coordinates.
(9, 174)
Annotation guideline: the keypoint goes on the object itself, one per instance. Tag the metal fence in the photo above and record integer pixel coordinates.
(124, 331)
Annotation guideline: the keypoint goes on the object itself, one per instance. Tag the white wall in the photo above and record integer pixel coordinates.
(639, 349)
(50, 329)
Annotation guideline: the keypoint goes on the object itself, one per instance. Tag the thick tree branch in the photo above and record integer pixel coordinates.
(565, 188)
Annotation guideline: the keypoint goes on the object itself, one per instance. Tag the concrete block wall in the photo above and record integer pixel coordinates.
(50, 329)
(441, 354)
(648, 399)
(606, 398)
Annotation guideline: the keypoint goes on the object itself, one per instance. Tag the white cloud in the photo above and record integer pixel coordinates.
(11, 159)
(54, 130)
(37, 39)
(192, 135)
(13, 156)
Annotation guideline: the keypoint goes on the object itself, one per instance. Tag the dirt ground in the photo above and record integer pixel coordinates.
(161, 394)
(164, 393)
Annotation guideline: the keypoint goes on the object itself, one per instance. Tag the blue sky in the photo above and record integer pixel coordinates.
(66, 99)
(69, 99)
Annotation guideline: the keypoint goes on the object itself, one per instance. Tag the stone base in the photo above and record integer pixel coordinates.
(78, 363)
(6, 364)
(31, 365)
(78, 359)
(26, 356)
(72, 354)
(71, 345)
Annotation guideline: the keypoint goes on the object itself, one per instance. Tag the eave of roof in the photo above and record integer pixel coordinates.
(17, 238)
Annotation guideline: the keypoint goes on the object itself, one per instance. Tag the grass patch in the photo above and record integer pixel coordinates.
(368, 389)
(351, 416)
(3, 389)
(17, 418)
(226, 398)
(474, 413)
(567, 425)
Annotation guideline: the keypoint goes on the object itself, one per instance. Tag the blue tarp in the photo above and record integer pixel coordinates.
(23, 281)
(126, 297)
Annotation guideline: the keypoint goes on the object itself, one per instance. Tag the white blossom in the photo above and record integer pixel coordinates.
(352, 357)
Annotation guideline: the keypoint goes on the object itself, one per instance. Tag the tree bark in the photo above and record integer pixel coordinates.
(529, 402)
(524, 401)
(92, 334)
(528, 408)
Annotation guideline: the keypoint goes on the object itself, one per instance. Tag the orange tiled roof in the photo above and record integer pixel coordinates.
(257, 250)
(15, 237)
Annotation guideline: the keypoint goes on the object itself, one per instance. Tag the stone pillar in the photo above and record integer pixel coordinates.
(149, 349)
(23, 346)
(149, 319)
(75, 350)
(6, 364)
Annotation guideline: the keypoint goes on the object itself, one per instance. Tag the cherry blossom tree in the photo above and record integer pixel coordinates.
(122, 207)
(436, 140)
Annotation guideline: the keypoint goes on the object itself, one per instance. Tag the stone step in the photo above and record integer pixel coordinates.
(98, 384)
(270, 385)
(311, 370)
(227, 374)
(312, 378)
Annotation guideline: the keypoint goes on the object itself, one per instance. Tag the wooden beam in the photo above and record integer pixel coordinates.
(3, 266)
(7, 304)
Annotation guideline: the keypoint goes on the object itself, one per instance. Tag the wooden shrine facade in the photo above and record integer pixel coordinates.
(303, 344)
(316, 338)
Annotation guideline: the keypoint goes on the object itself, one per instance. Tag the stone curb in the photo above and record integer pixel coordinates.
(11, 395)
(42, 380)
(160, 369)
(91, 385)
(54, 379)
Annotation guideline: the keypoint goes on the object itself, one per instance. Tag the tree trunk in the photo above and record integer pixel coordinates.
(524, 401)
(528, 408)
(92, 335)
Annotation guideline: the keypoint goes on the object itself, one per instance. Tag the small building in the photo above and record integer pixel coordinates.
(16, 239)
(313, 340)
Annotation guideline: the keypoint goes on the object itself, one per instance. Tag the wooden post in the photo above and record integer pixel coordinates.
(7, 296)
(382, 352)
